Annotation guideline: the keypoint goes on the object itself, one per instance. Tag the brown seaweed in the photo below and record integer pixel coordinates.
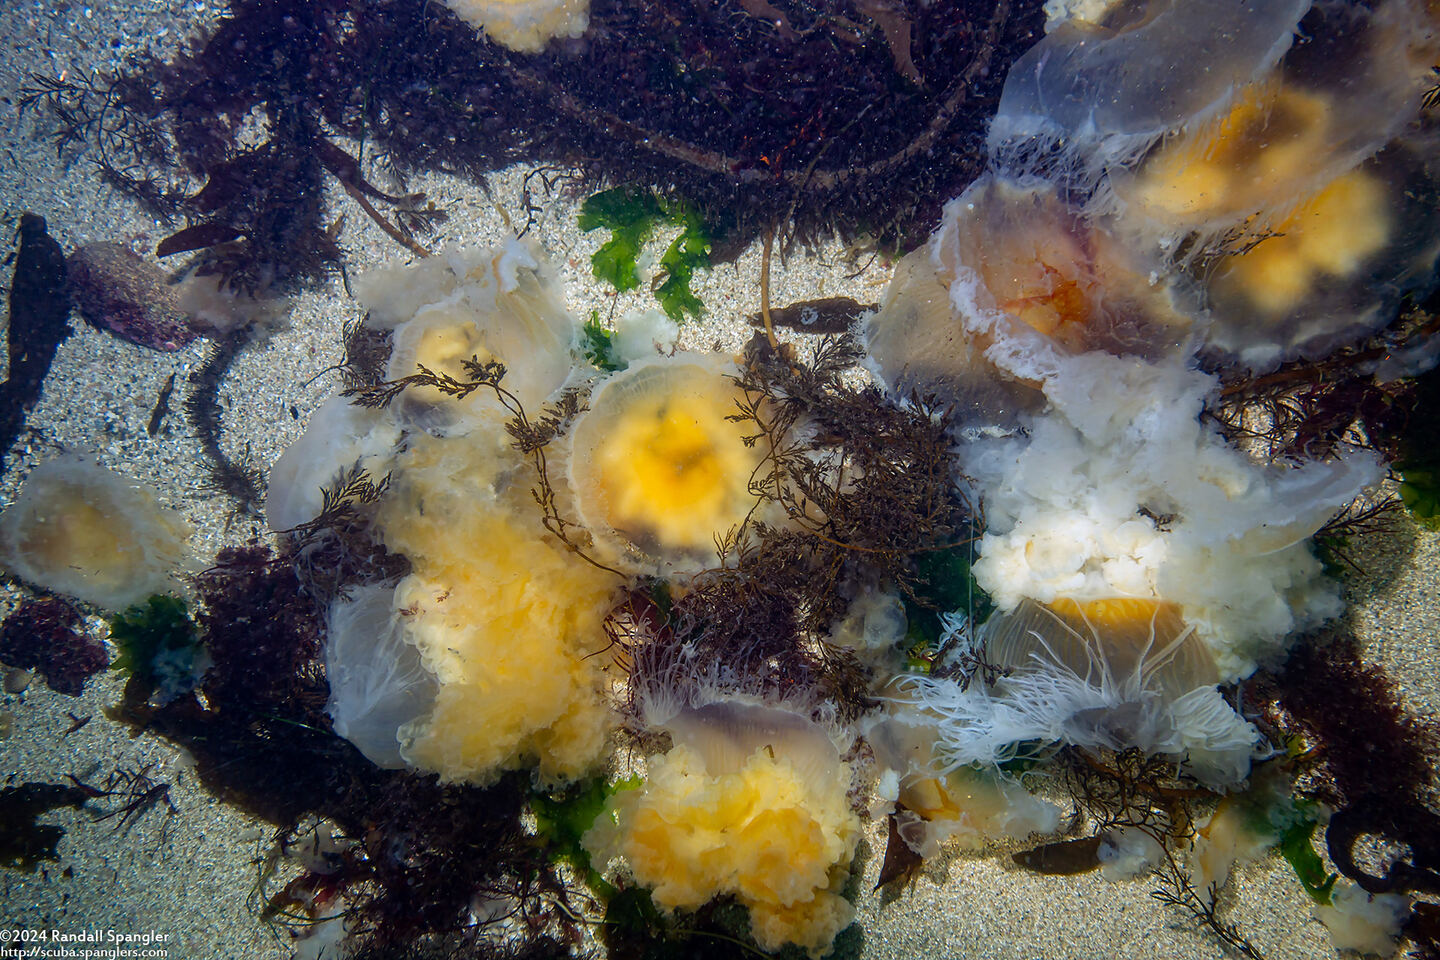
(49, 635)
(1368, 756)
(854, 116)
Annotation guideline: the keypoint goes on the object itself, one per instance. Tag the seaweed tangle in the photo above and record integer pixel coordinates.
(852, 116)
(1316, 408)
(49, 635)
(867, 489)
(1371, 759)
(1132, 790)
(868, 486)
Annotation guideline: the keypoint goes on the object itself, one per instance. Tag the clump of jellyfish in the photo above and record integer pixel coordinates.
(1176, 189)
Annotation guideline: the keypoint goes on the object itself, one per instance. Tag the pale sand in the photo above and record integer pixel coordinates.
(190, 876)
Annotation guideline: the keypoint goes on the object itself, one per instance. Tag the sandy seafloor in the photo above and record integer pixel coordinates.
(190, 876)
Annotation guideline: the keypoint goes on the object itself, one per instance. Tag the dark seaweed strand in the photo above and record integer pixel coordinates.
(1131, 789)
(238, 480)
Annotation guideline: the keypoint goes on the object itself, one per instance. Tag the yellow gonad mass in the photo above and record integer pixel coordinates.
(1332, 234)
(775, 836)
(503, 616)
(525, 25)
(1252, 157)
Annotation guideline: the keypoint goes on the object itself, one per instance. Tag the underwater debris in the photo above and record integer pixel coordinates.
(128, 296)
(48, 635)
(161, 410)
(39, 323)
(78, 529)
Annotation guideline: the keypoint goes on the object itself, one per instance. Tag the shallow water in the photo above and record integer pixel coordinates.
(189, 872)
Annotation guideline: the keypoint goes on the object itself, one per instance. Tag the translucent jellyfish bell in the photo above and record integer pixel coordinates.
(377, 682)
(657, 469)
(1089, 96)
(1028, 282)
(1113, 673)
(917, 344)
(1333, 268)
(726, 732)
(1304, 205)
(1131, 646)
(501, 304)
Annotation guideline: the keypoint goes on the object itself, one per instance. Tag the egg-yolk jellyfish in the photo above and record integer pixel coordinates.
(658, 470)
(78, 529)
(1013, 280)
(478, 659)
(1118, 494)
(1092, 95)
(1112, 674)
(751, 800)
